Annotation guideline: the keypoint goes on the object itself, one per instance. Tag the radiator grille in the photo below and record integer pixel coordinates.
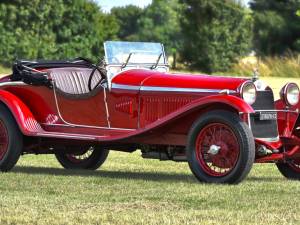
(264, 101)
(159, 107)
(263, 128)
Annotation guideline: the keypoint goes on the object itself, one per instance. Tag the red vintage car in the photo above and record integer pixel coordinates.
(79, 111)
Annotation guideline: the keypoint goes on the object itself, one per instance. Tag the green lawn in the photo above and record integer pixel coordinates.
(131, 190)
(4, 70)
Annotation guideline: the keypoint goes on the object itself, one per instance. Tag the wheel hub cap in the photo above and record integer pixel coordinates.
(214, 149)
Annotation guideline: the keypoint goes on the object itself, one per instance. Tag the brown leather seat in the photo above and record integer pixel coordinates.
(73, 80)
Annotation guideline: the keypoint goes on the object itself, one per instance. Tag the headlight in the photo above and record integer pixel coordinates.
(290, 94)
(248, 92)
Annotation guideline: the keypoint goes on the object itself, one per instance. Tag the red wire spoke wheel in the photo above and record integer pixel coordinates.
(90, 158)
(220, 148)
(290, 170)
(80, 157)
(295, 165)
(3, 140)
(217, 149)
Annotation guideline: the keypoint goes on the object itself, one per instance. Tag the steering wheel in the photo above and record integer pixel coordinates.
(99, 67)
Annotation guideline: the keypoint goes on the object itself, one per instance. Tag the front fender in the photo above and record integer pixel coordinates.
(287, 118)
(23, 116)
(232, 101)
(179, 122)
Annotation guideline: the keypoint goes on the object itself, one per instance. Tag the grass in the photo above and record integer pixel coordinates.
(131, 190)
(4, 70)
(276, 83)
(269, 66)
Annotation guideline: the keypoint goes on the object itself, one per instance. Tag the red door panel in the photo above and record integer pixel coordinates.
(88, 111)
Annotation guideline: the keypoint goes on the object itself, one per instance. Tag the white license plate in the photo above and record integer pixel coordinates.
(268, 116)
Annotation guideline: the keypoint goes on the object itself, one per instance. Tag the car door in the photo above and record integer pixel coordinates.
(77, 105)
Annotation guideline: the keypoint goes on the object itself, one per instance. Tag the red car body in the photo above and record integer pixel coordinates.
(152, 111)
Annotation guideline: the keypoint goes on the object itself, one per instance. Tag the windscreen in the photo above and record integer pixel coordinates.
(119, 52)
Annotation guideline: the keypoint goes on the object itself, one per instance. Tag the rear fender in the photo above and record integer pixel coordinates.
(23, 116)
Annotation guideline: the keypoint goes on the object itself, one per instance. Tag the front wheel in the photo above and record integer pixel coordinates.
(290, 170)
(90, 159)
(220, 148)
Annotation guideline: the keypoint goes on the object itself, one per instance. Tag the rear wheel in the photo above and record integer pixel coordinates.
(11, 140)
(220, 148)
(290, 170)
(91, 158)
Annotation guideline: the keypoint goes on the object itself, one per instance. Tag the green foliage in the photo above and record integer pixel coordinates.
(127, 18)
(215, 33)
(160, 22)
(276, 26)
(53, 29)
(4, 70)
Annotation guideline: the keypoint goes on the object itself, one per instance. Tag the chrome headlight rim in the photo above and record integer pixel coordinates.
(245, 87)
(286, 91)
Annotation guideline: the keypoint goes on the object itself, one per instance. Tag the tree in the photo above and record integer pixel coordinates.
(25, 29)
(127, 18)
(160, 22)
(53, 29)
(83, 31)
(216, 33)
(276, 26)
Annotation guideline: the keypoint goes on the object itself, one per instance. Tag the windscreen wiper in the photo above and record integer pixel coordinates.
(127, 60)
(157, 61)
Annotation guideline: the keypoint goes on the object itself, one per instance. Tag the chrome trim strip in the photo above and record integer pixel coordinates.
(249, 122)
(280, 110)
(78, 125)
(106, 107)
(86, 137)
(126, 87)
(87, 126)
(271, 139)
(16, 83)
(272, 110)
(169, 89)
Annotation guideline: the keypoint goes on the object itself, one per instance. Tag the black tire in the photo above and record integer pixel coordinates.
(13, 149)
(92, 162)
(244, 139)
(289, 170)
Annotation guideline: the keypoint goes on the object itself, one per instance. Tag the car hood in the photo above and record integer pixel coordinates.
(149, 78)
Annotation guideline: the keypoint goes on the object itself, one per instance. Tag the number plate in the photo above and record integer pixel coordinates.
(268, 116)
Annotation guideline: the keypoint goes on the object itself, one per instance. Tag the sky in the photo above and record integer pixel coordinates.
(106, 5)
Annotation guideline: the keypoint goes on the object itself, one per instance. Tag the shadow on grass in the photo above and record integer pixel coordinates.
(266, 179)
(107, 174)
(129, 175)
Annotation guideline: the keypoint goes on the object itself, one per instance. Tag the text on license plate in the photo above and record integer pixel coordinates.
(268, 116)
